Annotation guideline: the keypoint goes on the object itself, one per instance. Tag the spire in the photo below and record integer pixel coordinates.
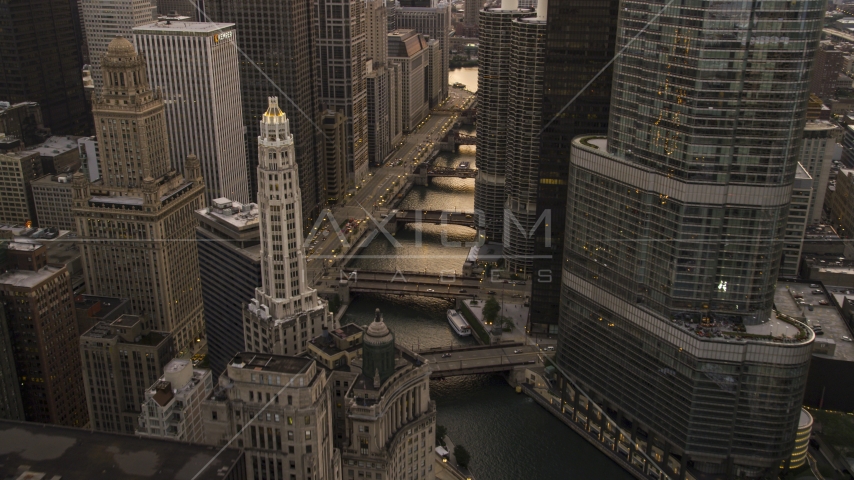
(275, 126)
(377, 381)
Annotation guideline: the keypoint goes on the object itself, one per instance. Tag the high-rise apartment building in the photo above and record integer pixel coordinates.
(335, 155)
(376, 32)
(196, 67)
(292, 438)
(11, 406)
(826, 68)
(407, 49)
(495, 30)
(121, 359)
(581, 43)
(820, 138)
(41, 62)
(342, 52)
(17, 172)
(137, 223)
(41, 328)
(104, 20)
(52, 199)
(796, 224)
(379, 114)
(524, 122)
(277, 39)
(286, 311)
(842, 204)
(432, 20)
(229, 240)
(173, 404)
(472, 9)
(182, 8)
(674, 233)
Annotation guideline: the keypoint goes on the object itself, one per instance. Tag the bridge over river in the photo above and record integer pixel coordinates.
(475, 360)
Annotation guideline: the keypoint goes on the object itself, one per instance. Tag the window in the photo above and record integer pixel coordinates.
(308, 420)
(308, 449)
(290, 420)
(213, 415)
(308, 434)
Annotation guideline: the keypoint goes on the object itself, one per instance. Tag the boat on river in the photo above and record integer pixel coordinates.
(458, 323)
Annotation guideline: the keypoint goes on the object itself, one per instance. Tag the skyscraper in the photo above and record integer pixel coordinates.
(286, 311)
(580, 42)
(493, 87)
(377, 79)
(335, 155)
(524, 121)
(185, 8)
(196, 67)
(104, 20)
(407, 50)
(342, 52)
(279, 38)
(136, 224)
(433, 19)
(41, 62)
(674, 231)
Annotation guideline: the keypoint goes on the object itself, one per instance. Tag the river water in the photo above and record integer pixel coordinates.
(508, 435)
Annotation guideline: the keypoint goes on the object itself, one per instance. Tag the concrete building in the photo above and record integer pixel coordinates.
(662, 268)
(376, 25)
(140, 197)
(379, 114)
(395, 103)
(173, 404)
(41, 62)
(229, 240)
(17, 171)
(817, 152)
(92, 309)
(842, 204)
(121, 358)
(335, 155)
(432, 20)
(181, 8)
(802, 440)
(286, 311)
(495, 30)
(408, 50)
(434, 73)
(11, 406)
(472, 8)
(61, 249)
(292, 437)
(524, 123)
(89, 160)
(796, 223)
(39, 310)
(58, 155)
(826, 69)
(196, 68)
(52, 199)
(278, 37)
(21, 124)
(104, 20)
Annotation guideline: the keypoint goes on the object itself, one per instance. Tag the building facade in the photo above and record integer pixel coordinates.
(11, 406)
(342, 52)
(842, 204)
(41, 62)
(379, 111)
(820, 138)
(278, 37)
(196, 68)
(137, 223)
(524, 122)
(121, 359)
(229, 241)
(433, 21)
(17, 171)
(827, 66)
(286, 311)
(104, 20)
(796, 223)
(335, 155)
(39, 310)
(495, 31)
(407, 49)
(669, 256)
(292, 437)
(52, 199)
(173, 404)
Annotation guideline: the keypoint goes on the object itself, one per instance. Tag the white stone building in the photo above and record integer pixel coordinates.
(173, 405)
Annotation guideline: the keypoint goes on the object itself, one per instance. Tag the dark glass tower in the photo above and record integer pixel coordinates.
(278, 36)
(40, 62)
(580, 40)
(674, 232)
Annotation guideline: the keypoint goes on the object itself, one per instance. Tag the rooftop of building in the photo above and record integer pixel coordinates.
(4, 106)
(265, 362)
(404, 43)
(821, 232)
(78, 454)
(54, 146)
(234, 214)
(801, 173)
(828, 316)
(53, 180)
(106, 304)
(61, 244)
(29, 278)
(404, 358)
(22, 155)
(178, 26)
(109, 331)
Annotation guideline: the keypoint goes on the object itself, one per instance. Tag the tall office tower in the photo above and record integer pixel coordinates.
(407, 49)
(391, 11)
(292, 438)
(104, 20)
(52, 199)
(41, 62)
(796, 224)
(524, 122)
(472, 9)
(817, 156)
(17, 172)
(495, 31)
(173, 404)
(183, 8)
(196, 68)
(11, 406)
(279, 38)
(342, 51)
(121, 358)
(395, 103)
(674, 229)
(825, 72)
(136, 224)
(39, 310)
(581, 43)
(229, 240)
(433, 20)
(334, 155)
(376, 31)
(285, 310)
(434, 72)
(379, 120)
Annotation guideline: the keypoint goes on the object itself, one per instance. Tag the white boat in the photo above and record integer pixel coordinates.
(458, 323)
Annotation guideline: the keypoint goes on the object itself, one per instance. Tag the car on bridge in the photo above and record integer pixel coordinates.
(463, 290)
(491, 292)
(518, 351)
(446, 355)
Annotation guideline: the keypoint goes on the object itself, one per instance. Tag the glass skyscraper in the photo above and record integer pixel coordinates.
(674, 230)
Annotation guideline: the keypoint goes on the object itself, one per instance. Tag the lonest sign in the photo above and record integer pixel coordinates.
(223, 36)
